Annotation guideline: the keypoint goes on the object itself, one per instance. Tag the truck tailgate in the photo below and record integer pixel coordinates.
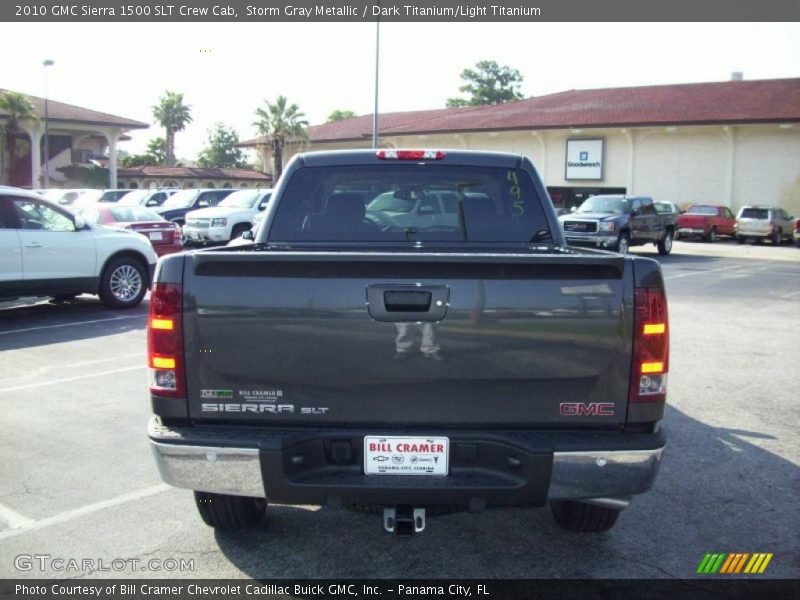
(391, 339)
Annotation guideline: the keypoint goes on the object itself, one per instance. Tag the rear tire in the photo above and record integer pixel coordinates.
(712, 235)
(227, 513)
(665, 243)
(740, 239)
(123, 283)
(582, 517)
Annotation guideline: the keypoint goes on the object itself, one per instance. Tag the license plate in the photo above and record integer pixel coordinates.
(156, 236)
(406, 455)
(193, 236)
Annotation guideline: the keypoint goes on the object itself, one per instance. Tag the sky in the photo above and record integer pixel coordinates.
(227, 70)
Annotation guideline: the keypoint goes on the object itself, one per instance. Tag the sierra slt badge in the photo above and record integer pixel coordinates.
(582, 409)
(236, 407)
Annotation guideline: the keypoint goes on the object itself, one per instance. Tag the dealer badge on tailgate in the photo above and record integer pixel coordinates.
(406, 455)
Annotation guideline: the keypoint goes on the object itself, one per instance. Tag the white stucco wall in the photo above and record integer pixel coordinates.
(730, 165)
(767, 167)
(689, 165)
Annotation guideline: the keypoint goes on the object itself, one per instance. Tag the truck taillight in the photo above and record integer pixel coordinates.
(650, 346)
(410, 154)
(165, 341)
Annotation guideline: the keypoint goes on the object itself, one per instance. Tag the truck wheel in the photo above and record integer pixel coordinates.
(712, 235)
(777, 238)
(582, 517)
(623, 243)
(225, 512)
(123, 283)
(665, 243)
(740, 239)
(239, 229)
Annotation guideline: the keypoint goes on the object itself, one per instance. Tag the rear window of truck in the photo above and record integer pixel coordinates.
(709, 211)
(410, 202)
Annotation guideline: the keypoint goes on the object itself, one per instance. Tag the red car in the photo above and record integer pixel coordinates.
(164, 235)
(707, 221)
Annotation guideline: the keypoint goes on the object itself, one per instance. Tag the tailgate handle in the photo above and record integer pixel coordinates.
(407, 303)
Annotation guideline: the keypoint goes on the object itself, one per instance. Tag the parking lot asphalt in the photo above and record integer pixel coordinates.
(77, 479)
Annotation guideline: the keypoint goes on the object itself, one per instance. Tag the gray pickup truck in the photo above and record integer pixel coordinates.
(345, 359)
(618, 222)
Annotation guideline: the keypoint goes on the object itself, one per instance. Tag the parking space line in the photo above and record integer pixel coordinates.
(706, 272)
(71, 324)
(83, 511)
(13, 518)
(67, 379)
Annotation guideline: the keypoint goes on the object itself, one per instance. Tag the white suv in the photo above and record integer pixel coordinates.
(228, 220)
(764, 222)
(47, 251)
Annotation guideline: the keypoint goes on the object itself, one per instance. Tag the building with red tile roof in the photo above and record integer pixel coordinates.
(730, 142)
(190, 177)
(76, 135)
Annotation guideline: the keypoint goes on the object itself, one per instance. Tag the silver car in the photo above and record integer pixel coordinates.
(764, 222)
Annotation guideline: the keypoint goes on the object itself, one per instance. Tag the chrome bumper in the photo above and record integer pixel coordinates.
(608, 478)
(601, 241)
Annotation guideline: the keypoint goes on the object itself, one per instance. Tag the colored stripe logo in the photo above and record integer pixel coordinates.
(732, 563)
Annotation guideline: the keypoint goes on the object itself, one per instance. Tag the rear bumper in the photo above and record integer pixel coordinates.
(754, 233)
(512, 468)
(688, 231)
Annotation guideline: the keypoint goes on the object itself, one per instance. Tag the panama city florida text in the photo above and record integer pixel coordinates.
(463, 11)
(251, 589)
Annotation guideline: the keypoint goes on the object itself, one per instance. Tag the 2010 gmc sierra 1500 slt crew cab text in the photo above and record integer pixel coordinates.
(468, 361)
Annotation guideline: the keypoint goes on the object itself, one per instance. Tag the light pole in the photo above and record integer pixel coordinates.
(45, 64)
(377, 61)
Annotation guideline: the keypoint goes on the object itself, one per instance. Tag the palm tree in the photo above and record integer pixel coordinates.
(279, 123)
(173, 115)
(15, 108)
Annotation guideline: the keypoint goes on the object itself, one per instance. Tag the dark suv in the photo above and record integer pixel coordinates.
(617, 222)
(176, 206)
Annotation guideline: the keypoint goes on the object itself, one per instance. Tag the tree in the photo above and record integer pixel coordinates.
(92, 176)
(155, 155)
(279, 123)
(173, 115)
(488, 83)
(340, 115)
(221, 150)
(16, 108)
